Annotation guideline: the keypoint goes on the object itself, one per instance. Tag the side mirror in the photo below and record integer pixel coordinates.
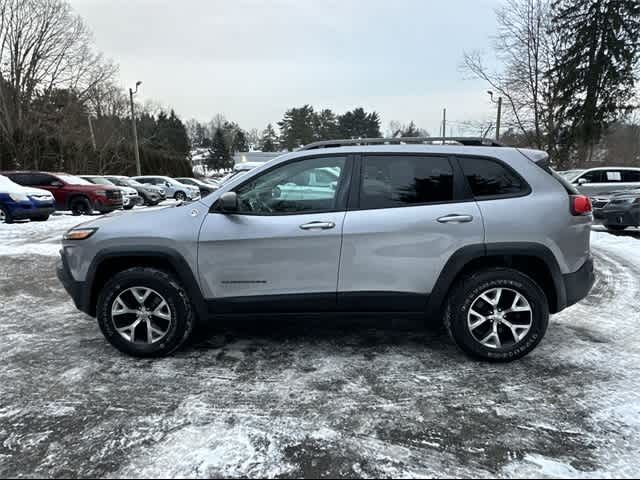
(167, 184)
(583, 181)
(56, 184)
(228, 202)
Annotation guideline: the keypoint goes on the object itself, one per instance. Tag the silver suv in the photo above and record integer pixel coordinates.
(487, 239)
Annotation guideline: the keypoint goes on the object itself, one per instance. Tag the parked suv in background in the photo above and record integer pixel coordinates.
(150, 194)
(173, 188)
(130, 197)
(487, 238)
(72, 193)
(597, 181)
(204, 187)
(22, 203)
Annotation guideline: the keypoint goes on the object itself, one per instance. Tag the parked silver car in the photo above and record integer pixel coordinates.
(487, 239)
(172, 187)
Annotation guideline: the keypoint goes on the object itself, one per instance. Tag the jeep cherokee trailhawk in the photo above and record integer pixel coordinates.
(486, 238)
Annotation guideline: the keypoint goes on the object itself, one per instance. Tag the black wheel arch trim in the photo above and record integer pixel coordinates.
(464, 256)
(173, 257)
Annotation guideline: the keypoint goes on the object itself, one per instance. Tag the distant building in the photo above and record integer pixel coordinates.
(259, 157)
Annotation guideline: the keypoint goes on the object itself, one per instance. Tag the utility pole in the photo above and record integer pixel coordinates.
(498, 119)
(135, 130)
(93, 135)
(444, 125)
(499, 102)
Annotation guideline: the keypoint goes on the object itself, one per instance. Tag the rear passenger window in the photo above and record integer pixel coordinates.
(488, 178)
(396, 181)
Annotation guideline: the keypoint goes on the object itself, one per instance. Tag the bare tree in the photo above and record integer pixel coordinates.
(526, 51)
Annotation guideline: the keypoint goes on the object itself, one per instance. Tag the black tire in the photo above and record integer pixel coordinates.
(129, 207)
(469, 289)
(180, 196)
(6, 215)
(81, 206)
(182, 315)
(615, 228)
(41, 218)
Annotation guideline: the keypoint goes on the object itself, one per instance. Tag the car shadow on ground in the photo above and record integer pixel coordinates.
(366, 330)
(629, 232)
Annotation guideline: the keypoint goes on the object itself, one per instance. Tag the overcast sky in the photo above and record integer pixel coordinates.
(251, 60)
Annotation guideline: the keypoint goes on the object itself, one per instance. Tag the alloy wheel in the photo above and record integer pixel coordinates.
(499, 318)
(141, 315)
(3, 216)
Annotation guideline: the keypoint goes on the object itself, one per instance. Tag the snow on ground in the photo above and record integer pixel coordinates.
(314, 397)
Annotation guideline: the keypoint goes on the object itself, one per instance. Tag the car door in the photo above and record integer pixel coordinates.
(409, 216)
(276, 252)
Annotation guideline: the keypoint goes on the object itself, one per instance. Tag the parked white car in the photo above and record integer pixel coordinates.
(172, 187)
(595, 181)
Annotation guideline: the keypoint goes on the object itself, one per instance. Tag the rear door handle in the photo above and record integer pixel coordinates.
(318, 226)
(454, 218)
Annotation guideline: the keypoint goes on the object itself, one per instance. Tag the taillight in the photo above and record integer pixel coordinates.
(581, 205)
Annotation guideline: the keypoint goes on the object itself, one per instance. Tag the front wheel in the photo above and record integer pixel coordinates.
(40, 218)
(180, 196)
(497, 315)
(81, 206)
(145, 312)
(5, 215)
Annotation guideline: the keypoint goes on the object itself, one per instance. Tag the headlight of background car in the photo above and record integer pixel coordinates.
(101, 193)
(79, 233)
(19, 197)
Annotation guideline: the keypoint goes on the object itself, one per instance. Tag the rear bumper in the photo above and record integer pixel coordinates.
(627, 218)
(579, 284)
(76, 290)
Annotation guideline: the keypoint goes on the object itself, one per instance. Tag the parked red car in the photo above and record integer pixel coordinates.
(72, 193)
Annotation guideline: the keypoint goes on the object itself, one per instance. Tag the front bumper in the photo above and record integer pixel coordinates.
(76, 290)
(578, 285)
(28, 212)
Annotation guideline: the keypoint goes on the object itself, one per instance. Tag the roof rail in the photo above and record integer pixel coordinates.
(465, 141)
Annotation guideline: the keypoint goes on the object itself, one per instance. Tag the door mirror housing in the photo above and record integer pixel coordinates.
(56, 184)
(583, 181)
(228, 202)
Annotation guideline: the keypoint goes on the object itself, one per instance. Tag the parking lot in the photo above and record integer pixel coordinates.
(314, 397)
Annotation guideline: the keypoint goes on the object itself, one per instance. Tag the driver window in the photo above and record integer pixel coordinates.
(287, 189)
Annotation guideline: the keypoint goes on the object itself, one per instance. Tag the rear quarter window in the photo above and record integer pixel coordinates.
(490, 179)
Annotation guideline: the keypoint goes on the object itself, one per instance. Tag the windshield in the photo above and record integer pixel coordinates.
(73, 180)
(99, 181)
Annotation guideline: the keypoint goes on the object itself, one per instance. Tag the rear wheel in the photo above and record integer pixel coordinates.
(497, 315)
(615, 228)
(145, 312)
(5, 215)
(81, 206)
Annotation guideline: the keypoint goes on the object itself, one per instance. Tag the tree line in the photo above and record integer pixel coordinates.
(60, 106)
(568, 72)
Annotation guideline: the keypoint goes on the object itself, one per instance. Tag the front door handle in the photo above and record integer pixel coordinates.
(318, 226)
(454, 218)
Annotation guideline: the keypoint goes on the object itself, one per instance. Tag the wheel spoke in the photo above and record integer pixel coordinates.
(129, 332)
(481, 319)
(524, 329)
(141, 294)
(121, 308)
(519, 304)
(496, 298)
(162, 311)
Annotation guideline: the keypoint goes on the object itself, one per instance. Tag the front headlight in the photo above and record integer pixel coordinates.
(19, 197)
(101, 193)
(79, 233)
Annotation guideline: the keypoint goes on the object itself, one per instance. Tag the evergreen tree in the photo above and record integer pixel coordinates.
(240, 143)
(326, 126)
(269, 140)
(297, 127)
(219, 157)
(598, 57)
(359, 124)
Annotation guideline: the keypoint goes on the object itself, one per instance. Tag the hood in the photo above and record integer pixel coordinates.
(7, 186)
(128, 190)
(94, 188)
